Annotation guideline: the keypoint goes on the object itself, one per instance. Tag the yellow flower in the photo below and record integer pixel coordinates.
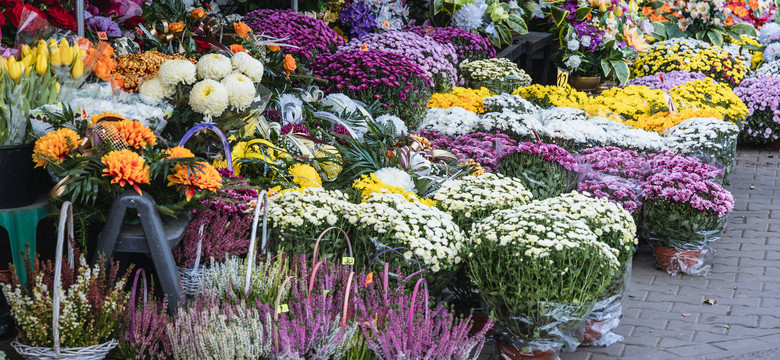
(126, 167)
(632, 103)
(663, 120)
(54, 146)
(203, 177)
(305, 176)
(135, 134)
(708, 95)
(469, 99)
(550, 95)
(371, 184)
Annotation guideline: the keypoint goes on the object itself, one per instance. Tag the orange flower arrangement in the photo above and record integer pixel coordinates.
(237, 48)
(205, 178)
(105, 65)
(135, 134)
(54, 146)
(289, 64)
(179, 152)
(274, 48)
(176, 27)
(242, 30)
(126, 167)
(198, 13)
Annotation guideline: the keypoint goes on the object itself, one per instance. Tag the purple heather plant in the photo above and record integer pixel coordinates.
(666, 80)
(762, 97)
(666, 161)
(484, 148)
(224, 233)
(359, 18)
(614, 161)
(400, 84)
(144, 335)
(468, 46)
(437, 60)
(311, 36)
(615, 189)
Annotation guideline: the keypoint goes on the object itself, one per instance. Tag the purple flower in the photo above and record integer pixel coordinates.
(615, 189)
(273, 115)
(359, 18)
(294, 128)
(311, 36)
(104, 24)
(484, 148)
(340, 130)
(468, 46)
(669, 162)
(691, 189)
(666, 80)
(762, 97)
(549, 152)
(614, 161)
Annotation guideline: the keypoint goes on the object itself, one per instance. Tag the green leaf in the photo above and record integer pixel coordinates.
(751, 47)
(744, 29)
(503, 31)
(715, 37)
(582, 13)
(621, 70)
(517, 24)
(606, 67)
(437, 5)
(673, 31)
(558, 15)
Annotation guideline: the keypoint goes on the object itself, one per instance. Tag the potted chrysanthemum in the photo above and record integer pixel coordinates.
(683, 213)
(546, 170)
(538, 271)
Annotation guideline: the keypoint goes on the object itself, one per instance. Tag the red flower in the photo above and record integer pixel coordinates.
(61, 18)
(17, 11)
(202, 46)
(9, 3)
(2, 19)
(51, 3)
(133, 22)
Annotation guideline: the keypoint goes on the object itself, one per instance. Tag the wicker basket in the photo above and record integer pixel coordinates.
(94, 352)
(191, 278)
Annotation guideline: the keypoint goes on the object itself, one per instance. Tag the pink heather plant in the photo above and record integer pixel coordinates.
(144, 335)
(667, 161)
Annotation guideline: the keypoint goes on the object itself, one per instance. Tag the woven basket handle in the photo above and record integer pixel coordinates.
(346, 300)
(250, 259)
(66, 218)
(198, 252)
(411, 307)
(277, 309)
(317, 244)
(138, 274)
(220, 135)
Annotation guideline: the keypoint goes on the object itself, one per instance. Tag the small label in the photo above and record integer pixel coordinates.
(347, 260)
(563, 77)
(670, 103)
(283, 308)
(370, 278)
(327, 291)
(102, 35)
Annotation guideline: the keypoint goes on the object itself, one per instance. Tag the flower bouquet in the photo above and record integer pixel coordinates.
(545, 96)
(669, 161)
(612, 160)
(683, 213)
(536, 247)
(712, 21)
(631, 103)
(546, 170)
(707, 95)
(484, 148)
(710, 139)
(761, 96)
(498, 75)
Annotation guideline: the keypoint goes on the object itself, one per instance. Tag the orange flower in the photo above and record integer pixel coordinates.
(274, 48)
(647, 10)
(729, 21)
(198, 13)
(135, 134)
(666, 8)
(179, 152)
(54, 146)
(364, 47)
(176, 27)
(237, 48)
(241, 29)
(126, 167)
(105, 65)
(289, 64)
(386, 24)
(206, 177)
(635, 40)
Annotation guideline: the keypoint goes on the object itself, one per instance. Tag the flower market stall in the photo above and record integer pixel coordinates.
(360, 179)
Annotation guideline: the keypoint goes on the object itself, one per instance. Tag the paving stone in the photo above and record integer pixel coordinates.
(738, 344)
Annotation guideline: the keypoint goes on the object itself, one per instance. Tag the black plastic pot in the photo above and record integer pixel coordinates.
(16, 176)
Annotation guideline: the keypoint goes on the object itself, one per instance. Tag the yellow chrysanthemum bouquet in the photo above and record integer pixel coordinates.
(708, 95)
(550, 95)
(632, 103)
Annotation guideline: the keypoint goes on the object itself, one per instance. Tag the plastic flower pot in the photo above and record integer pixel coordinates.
(509, 352)
(674, 260)
(593, 330)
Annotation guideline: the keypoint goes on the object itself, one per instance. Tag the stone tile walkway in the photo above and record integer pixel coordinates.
(745, 281)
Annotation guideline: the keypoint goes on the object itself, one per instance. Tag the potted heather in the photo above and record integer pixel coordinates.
(683, 213)
(546, 170)
(536, 247)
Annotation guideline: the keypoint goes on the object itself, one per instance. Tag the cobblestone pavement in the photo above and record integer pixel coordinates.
(745, 281)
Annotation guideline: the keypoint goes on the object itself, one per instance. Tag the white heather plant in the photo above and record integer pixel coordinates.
(522, 125)
(453, 122)
(514, 103)
(227, 280)
(473, 198)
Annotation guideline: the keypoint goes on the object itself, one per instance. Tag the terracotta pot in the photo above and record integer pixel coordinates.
(585, 83)
(671, 259)
(507, 351)
(593, 330)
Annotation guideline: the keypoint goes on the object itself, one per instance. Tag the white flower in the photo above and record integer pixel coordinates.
(209, 98)
(392, 122)
(396, 177)
(249, 66)
(214, 67)
(490, 29)
(291, 108)
(173, 72)
(154, 90)
(573, 45)
(586, 40)
(769, 33)
(469, 17)
(573, 62)
(451, 122)
(772, 52)
(240, 89)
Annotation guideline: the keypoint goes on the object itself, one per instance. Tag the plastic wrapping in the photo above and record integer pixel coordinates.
(712, 141)
(394, 258)
(696, 262)
(606, 313)
(509, 348)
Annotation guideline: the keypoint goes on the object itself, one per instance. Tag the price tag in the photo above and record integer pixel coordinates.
(102, 35)
(563, 77)
(370, 278)
(284, 308)
(670, 103)
(347, 260)
(327, 291)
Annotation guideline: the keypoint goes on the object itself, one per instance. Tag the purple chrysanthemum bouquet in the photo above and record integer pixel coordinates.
(615, 189)
(546, 170)
(666, 80)
(762, 97)
(612, 160)
(684, 210)
(437, 139)
(399, 84)
(437, 60)
(310, 36)
(667, 161)
(484, 148)
(468, 46)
